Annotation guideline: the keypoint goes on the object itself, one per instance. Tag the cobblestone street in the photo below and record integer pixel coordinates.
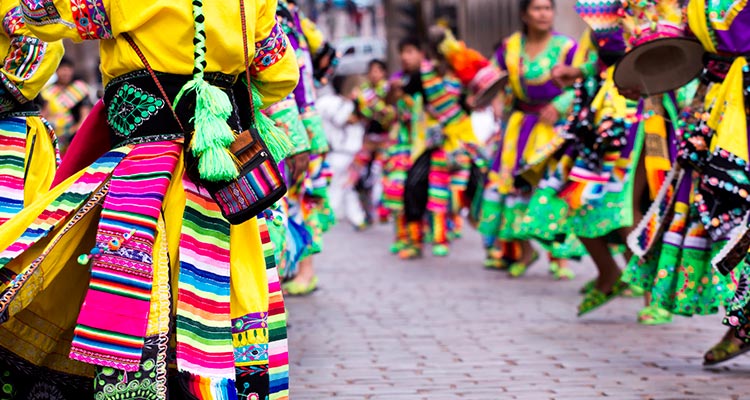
(435, 329)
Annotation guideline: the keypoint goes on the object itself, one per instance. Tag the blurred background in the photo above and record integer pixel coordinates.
(367, 29)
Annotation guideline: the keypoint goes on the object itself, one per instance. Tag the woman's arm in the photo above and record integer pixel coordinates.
(29, 63)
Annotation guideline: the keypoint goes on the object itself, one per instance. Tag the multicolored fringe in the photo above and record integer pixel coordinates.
(205, 355)
(112, 324)
(12, 168)
(278, 350)
(50, 219)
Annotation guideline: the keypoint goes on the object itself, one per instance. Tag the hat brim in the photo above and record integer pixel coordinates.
(484, 98)
(660, 65)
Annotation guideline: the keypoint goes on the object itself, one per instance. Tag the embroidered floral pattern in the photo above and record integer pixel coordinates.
(250, 321)
(130, 108)
(91, 19)
(12, 21)
(269, 50)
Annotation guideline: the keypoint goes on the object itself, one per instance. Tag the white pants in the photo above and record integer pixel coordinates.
(343, 198)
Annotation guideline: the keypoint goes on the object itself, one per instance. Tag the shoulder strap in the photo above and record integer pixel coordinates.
(145, 62)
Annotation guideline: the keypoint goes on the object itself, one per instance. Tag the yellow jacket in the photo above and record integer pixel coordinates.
(28, 63)
(164, 30)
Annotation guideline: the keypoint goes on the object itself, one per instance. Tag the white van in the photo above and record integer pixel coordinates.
(356, 53)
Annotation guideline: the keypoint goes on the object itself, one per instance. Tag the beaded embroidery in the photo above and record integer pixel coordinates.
(130, 108)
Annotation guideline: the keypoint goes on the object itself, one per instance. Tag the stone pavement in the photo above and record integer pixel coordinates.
(436, 329)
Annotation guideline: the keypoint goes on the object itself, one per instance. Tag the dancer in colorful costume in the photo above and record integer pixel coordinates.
(476, 82)
(127, 266)
(592, 185)
(532, 136)
(432, 124)
(713, 166)
(306, 197)
(672, 246)
(378, 117)
(67, 103)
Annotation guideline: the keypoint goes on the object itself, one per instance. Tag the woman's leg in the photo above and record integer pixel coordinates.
(608, 271)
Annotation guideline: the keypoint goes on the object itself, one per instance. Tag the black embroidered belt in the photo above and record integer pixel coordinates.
(29, 109)
(137, 111)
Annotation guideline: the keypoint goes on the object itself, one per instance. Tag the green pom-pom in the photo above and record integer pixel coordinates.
(217, 165)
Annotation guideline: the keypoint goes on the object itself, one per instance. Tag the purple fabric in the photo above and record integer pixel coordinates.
(683, 193)
(544, 93)
(737, 39)
(527, 125)
(303, 93)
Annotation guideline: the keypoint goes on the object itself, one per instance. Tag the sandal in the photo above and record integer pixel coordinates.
(495, 263)
(397, 247)
(587, 287)
(633, 292)
(563, 274)
(410, 253)
(294, 288)
(440, 250)
(724, 351)
(596, 298)
(519, 269)
(654, 315)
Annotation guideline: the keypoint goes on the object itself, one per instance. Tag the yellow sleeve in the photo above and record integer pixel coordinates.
(30, 62)
(78, 20)
(274, 67)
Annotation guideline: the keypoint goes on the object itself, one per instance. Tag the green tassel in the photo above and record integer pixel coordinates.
(277, 142)
(212, 136)
(217, 165)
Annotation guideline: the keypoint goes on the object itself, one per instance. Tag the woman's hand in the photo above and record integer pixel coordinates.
(549, 115)
(565, 76)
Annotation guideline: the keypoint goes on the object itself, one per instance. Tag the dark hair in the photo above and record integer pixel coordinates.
(338, 84)
(379, 63)
(409, 42)
(67, 62)
(523, 7)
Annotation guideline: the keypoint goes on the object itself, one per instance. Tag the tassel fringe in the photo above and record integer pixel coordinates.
(212, 136)
(277, 142)
(205, 388)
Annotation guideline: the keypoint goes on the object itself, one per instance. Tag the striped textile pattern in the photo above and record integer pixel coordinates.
(12, 166)
(439, 193)
(205, 352)
(441, 102)
(278, 349)
(56, 213)
(112, 324)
